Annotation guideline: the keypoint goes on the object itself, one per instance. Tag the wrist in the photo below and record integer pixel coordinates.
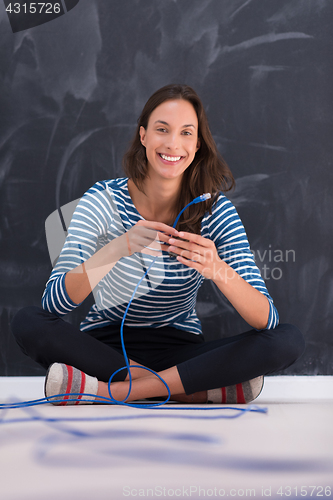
(222, 273)
(128, 244)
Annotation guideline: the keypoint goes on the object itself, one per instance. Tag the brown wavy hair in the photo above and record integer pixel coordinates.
(208, 172)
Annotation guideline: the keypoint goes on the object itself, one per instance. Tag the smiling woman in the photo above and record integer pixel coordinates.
(168, 141)
(171, 142)
(175, 120)
(121, 222)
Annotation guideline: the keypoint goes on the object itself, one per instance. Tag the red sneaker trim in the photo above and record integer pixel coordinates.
(83, 383)
(240, 394)
(224, 395)
(69, 383)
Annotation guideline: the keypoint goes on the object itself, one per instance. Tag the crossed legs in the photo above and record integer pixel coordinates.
(188, 369)
(147, 385)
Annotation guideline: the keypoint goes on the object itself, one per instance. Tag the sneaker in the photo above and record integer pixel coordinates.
(237, 394)
(65, 379)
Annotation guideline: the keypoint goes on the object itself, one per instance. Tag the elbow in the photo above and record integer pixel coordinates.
(260, 326)
(261, 322)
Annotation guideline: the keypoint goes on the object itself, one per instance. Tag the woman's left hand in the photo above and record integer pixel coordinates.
(198, 252)
(201, 254)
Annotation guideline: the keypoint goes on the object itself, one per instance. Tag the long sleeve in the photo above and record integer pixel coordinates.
(86, 233)
(226, 229)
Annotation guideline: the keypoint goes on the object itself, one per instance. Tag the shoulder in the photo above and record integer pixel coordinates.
(222, 219)
(109, 185)
(221, 208)
(106, 191)
(101, 199)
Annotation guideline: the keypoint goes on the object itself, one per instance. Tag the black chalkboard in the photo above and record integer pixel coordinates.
(73, 87)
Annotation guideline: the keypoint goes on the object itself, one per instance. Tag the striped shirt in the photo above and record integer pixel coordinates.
(167, 295)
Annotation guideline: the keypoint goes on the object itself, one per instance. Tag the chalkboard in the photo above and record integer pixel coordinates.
(73, 87)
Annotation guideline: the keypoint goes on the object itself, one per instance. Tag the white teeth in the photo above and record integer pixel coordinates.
(170, 158)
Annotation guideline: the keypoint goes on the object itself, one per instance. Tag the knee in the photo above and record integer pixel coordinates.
(24, 323)
(289, 344)
(294, 341)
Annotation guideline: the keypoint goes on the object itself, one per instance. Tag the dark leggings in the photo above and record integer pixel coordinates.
(47, 339)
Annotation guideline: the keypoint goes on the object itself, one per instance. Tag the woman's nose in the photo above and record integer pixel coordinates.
(173, 141)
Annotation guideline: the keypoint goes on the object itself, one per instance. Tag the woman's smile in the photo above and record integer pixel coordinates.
(168, 159)
(171, 138)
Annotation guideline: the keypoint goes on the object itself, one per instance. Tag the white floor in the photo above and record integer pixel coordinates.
(49, 452)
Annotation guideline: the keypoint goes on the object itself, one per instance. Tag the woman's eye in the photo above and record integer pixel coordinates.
(185, 132)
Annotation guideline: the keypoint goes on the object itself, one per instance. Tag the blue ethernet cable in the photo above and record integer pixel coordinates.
(199, 199)
(127, 366)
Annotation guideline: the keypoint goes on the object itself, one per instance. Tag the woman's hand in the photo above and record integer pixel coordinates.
(201, 254)
(196, 252)
(148, 237)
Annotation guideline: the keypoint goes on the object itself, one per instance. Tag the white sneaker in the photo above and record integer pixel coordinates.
(73, 386)
(237, 394)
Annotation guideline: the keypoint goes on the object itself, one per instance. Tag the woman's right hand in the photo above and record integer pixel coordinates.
(148, 237)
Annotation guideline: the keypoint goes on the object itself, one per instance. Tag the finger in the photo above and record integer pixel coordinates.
(188, 255)
(189, 263)
(144, 231)
(142, 238)
(186, 245)
(196, 238)
(139, 241)
(152, 242)
(161, 240)
(163, 237)
(204, 271)
(159, 226)
(149, 235)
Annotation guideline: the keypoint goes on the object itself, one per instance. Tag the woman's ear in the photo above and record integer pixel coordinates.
(198, 145)
(142, 133)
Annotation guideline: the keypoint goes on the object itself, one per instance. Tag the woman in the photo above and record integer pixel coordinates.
(118, 228)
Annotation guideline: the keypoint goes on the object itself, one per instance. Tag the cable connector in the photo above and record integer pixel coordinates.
(202, 197)
(199, 199)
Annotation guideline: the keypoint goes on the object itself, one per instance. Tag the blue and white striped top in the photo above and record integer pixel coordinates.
(167, 295)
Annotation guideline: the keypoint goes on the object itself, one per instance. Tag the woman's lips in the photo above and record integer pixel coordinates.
(170, 159)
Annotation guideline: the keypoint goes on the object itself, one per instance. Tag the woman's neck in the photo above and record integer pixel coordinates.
(159, 201)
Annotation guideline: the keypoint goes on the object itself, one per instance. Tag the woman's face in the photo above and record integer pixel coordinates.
(171, 138)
